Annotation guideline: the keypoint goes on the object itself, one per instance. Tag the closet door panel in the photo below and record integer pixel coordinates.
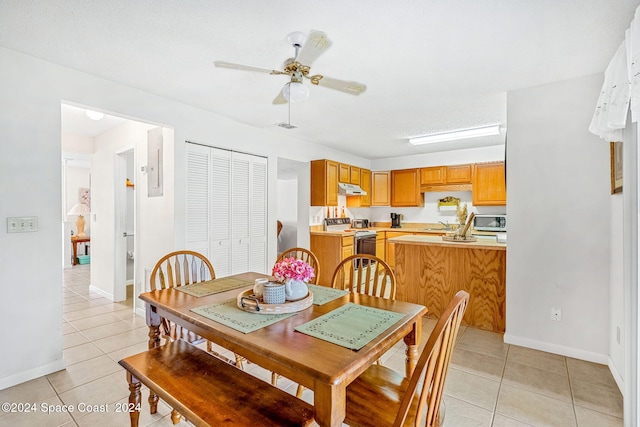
(258, 199)
(198, 198)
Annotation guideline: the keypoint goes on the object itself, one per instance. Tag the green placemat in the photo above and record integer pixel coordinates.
(228, 313)
(323, 294)
(210, 287)
(351, 325)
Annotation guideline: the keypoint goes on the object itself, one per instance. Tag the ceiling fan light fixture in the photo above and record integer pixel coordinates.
(297, 38)
(456, 134)
(295, 92)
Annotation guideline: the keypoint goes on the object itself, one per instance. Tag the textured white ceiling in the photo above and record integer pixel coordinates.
(429, 65)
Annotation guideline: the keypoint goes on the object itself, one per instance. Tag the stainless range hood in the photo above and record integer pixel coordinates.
(350, 190)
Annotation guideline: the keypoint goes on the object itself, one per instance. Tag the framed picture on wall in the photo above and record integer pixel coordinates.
(616, 167)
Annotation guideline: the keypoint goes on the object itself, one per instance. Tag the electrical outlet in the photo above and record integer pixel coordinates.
(556, 314)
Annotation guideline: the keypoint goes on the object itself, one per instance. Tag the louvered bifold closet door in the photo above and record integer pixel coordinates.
(258, 213)
(240, 182)
(198, 198)
(220, 209)
(226, 209)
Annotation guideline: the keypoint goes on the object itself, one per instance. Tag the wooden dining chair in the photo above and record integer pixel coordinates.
(181, 268)
(365, 274)
(414, 401)
(311, 259)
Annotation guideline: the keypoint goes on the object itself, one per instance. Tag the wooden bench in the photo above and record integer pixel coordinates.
(208, 391)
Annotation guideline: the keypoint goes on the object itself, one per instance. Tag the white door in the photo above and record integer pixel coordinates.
(124, 227)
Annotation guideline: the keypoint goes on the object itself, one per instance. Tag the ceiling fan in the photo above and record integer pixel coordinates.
(307, 50)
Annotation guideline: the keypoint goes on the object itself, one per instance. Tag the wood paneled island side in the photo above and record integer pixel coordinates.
(430, 271)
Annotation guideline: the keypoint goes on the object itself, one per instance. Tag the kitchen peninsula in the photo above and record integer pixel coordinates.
(430, 271)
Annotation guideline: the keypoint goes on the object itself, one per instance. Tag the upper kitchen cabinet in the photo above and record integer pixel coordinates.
(446, 178)
(433, 175)
(380, 188)
(405, 188)
(324, 183)
(364, 181)
(459, 174)
(489, 187)
(344, 173)
(348, 174)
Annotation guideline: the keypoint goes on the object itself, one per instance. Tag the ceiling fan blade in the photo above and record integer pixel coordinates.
(280, 99)
(353, 88)
(222, 64)
(316, 43)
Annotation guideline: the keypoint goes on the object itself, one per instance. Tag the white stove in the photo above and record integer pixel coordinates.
(365, 239)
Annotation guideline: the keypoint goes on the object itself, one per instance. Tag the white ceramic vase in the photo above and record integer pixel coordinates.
(295, 289)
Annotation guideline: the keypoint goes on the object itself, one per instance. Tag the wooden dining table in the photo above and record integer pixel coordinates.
(319, 365)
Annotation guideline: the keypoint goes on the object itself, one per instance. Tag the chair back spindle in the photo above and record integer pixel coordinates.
(365, 274)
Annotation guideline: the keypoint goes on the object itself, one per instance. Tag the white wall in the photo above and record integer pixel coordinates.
(32, 90)
(616, 306)
(288, 213)
(559, 221)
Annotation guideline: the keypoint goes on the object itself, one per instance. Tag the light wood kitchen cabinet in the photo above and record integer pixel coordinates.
(344, 173)
(324, 183)
(405, 188)
(354, 173)
(381, 241)
(365, 184)
(380, 188)
(433, 175)
(330, 249)
(459, 174)
(445, 175)
(489, 187)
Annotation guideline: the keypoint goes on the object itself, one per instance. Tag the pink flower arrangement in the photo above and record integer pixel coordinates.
(291, 268)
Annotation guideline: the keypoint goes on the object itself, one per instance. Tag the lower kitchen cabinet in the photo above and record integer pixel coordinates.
(381, 240)
(330, 249)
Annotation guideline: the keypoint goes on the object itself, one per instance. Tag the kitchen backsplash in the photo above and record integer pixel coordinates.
(429, 213)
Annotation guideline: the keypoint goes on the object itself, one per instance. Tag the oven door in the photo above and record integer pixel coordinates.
(366, 245)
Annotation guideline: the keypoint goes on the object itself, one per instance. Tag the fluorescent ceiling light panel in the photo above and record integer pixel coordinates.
(456, 134)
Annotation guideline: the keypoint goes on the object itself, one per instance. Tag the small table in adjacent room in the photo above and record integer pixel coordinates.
(74, 242)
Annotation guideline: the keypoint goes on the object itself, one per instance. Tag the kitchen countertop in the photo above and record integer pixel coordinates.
(481, 243)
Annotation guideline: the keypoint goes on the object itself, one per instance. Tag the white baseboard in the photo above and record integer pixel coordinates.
(101, 293)
(616, 375)
(141, 312)
(130, 282)
(31, 374)
(562, 350)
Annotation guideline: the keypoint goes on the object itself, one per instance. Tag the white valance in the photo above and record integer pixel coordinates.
(621, 88)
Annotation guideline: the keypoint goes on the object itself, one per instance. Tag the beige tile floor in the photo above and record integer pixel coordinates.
(489, 384)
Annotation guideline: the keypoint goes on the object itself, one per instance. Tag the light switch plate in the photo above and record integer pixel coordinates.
(23, 224)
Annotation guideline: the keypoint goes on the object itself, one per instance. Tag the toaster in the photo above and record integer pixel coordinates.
(360, 223)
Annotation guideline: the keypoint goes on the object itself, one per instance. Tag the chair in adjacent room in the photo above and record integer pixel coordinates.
(184, 268)
(414, 401)
(310, 258)
(365, 274)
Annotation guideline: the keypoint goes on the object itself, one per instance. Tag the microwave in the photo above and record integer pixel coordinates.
(490, 222)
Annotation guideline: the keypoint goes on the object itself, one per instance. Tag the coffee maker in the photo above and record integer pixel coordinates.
(395, 220)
